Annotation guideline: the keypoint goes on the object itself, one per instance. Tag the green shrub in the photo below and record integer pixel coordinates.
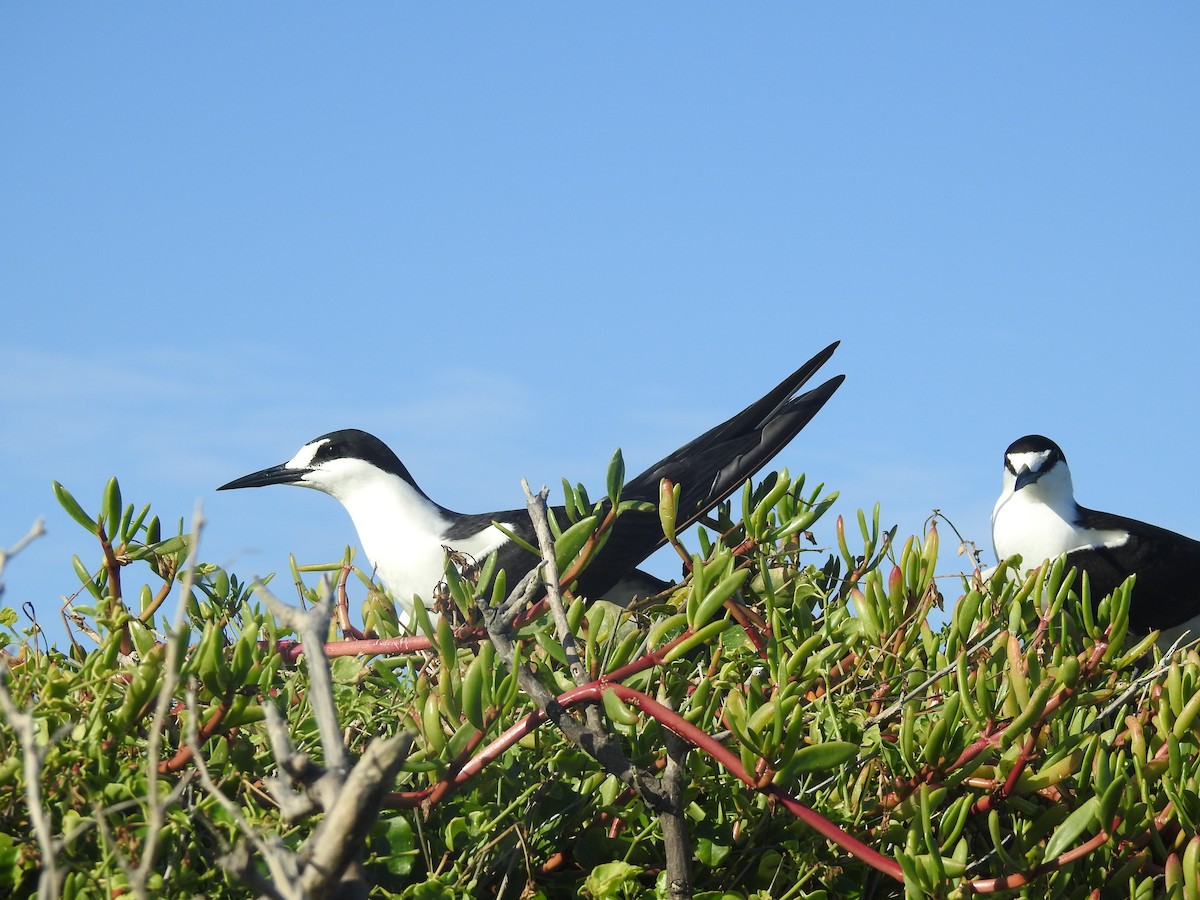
(787, 722)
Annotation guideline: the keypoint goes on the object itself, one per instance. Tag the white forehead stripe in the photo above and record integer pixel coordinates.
(304, 456)
(1029, 460)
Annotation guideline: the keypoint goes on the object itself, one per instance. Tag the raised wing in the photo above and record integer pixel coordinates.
(709, 469)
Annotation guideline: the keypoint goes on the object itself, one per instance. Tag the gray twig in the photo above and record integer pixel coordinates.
(313, 627)
(332, 853)
(34, 754)
(590, 736)
(328, 864)
(539, 514)
(550, 577)
(676, 841)
(284, 869)
(166, 695)
(36, 531)
(665, 795)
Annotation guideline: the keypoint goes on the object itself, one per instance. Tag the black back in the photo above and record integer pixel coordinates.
(1166, 563)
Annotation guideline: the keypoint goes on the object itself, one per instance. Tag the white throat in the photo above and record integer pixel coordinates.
(402, 532)
(1040, 521)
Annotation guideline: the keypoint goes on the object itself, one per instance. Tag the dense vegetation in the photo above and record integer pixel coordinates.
(787, 722)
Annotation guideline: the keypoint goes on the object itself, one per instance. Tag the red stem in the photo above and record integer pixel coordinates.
(1019, 879)
(207, 730)
(593, 693)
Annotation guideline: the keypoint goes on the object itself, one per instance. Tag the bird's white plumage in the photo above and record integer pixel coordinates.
(1028, 461)
(1039, 521)
(304, 456)
(388, 514)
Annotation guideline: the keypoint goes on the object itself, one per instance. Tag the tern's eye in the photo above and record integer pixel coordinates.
(328, 450)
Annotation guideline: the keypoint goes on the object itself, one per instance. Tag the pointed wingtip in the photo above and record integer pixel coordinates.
(828, 351)
(809, 368)
(817, 397)
(823, 356)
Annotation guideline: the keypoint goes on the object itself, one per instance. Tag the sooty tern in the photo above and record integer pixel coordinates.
(1037, 517)
(405, 534)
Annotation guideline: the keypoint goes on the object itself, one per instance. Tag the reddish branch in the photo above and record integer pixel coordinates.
(593, 693)
(727, 758)
(111, 564)
(341, 609)
(1028, 752)
(1020, 879)
(147, 614)
(113, 567)
(991, 738)
(207, 730)
(291, 649)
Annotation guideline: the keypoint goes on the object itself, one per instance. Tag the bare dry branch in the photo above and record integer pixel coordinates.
(34, 754)
(282, 865)
(166, 696)
(313, 627)
(36, 531)
(336, 846)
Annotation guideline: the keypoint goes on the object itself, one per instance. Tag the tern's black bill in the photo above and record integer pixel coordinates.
(279, 474)
(1027, 476)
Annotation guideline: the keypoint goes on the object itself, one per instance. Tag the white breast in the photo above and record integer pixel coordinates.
(401, 531)
(1022, 523)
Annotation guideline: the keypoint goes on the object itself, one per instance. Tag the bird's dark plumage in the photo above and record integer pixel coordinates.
(709, 469)
(1167, 565)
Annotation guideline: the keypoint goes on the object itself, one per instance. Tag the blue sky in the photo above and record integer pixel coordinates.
(509, 239)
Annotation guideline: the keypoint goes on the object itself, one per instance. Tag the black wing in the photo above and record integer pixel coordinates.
(709, 469)
(1166, 565)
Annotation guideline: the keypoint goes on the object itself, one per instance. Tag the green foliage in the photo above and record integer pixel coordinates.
(842, 743)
